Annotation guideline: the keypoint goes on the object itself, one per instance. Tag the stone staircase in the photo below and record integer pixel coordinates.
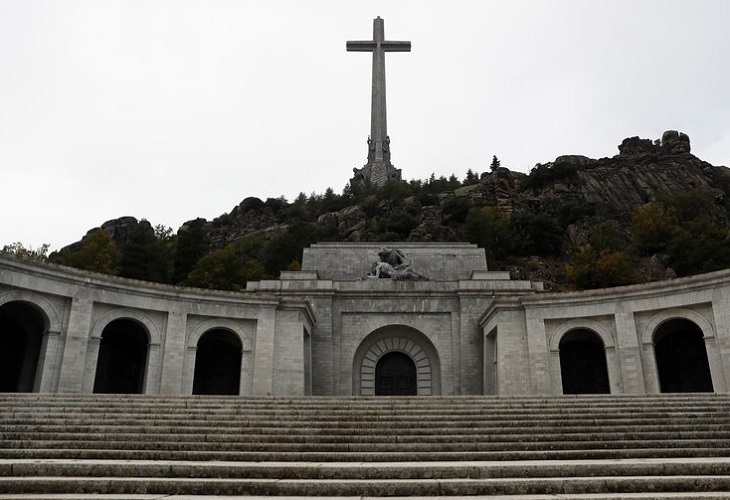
(151, 447)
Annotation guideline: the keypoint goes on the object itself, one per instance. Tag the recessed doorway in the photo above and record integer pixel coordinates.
(396, 375)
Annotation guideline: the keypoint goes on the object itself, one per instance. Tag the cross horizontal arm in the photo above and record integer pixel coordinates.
(396, 46)
(369, 46)
(365, 46)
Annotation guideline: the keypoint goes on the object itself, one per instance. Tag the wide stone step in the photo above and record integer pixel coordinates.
(351, 456)
(472, 446)
(456, 429)
(244, 440)
(350, 447)
(371, 470)
(590, 496)
(366, 487)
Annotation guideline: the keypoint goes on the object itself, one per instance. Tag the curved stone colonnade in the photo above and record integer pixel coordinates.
(69, 331)
(668, 336)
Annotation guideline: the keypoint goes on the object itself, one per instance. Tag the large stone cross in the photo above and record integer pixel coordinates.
(379, 142)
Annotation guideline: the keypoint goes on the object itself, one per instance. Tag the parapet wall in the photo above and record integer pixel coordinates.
(353, 261)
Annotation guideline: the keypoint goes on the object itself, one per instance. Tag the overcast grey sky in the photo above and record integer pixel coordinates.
(171, 110)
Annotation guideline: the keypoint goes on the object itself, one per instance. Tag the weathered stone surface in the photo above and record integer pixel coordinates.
(633, 146)
(674, 142)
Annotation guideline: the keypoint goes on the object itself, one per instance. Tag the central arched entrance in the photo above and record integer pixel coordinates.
(681, 357)
(396, 360)
(396, 375)
(218, 363)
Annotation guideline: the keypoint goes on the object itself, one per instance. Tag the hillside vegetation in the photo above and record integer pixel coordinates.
(652, 212)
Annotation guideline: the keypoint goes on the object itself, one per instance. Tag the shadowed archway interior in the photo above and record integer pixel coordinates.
(583, 366)
(681, 357)
(218, 363)
(21, 335)
(396, 375)
(122, 361)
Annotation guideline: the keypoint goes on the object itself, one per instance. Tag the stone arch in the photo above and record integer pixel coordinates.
(583, 366)
(396, 338)
(602, 333)
(221, 323)
(122, 357)
(155, 336)
(246, 350)
(51, 318)
(153, 362)
(23, 327)
(648, 353)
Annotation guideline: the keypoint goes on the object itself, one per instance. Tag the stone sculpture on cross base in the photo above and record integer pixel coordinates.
(378, 170)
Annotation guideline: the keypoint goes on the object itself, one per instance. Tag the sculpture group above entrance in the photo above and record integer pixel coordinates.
(393, 265)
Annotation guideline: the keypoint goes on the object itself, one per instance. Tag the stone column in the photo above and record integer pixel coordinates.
(613, 364)
(721, 313)
(48, 364)
(92, 359)
(715, 361)
(513, 372)
(152, 373)
(71, 379)
(556, 373)
(538, 355)
(263, 364)
(188, 370)
(627, 345)
(171, 380)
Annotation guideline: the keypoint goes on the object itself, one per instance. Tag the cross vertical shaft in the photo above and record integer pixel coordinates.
(379, 142)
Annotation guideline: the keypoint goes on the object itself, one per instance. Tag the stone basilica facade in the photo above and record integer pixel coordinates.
(416, 319)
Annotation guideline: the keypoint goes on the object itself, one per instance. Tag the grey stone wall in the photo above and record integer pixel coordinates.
(480, 333)
(76, 306)
(436, 261)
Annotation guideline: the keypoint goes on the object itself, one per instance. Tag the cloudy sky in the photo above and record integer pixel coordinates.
(171, 110)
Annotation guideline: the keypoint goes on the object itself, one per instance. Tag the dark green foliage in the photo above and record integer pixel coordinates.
(395, 191)
(605, 268)
(398, 222)
(145, 256)
(546, 174)
(20, 251)
(573, 211)
(495, 164)
(535, 234)
(689, 205)
(286, 246)
(455, 209)
(683, 225)
(471, 178)
(653, 227)
(97, 252)
(489, 228)
(228, 268)
(700, 247)
(191, 245)
(603, 262)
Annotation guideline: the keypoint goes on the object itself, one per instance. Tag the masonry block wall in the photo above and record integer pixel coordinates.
(467, 331)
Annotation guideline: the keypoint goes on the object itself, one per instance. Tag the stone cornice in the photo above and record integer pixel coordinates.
(667, 288)
(92, 281)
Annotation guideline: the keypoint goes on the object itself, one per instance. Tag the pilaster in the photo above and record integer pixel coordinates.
(71, 379)
(171, 380)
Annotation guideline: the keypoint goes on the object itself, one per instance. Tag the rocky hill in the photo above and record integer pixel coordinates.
(575, 222)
